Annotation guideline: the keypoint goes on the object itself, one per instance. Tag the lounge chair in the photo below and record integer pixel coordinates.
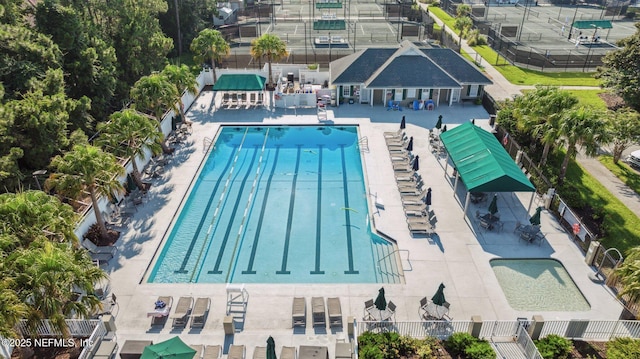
(413, 196)
(225, 99)
(200, 312)
(411, 176)
(397, 144)
(288, 353)
(91, 247)
(101, 258)
(420, 228)
(183, 309)
(402, 157)
(236, 352)
(106, 349)
(299, 312)
(368, 305)
(260, 353)
(335, 311)
(411, 189)
(252, 99)
(396, 140)
(402, 168)
(318, 311)
(159, 316)
(415, 207)
(199, 348)
(418, 220)
(396, 134)
(211, 352)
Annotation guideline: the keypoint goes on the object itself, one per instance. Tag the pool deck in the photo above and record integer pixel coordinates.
(458, 255)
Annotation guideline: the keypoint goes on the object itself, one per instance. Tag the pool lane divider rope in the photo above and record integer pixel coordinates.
(218, 206)
(263, 211)
(318, 215)
(247, 208)
(347, 214)
(234, 211)
(187, 256)
(292, 200)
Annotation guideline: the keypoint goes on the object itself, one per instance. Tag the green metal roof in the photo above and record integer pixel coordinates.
(592, 24)
(329, 25)
(483, 164)
(329, 5)
(239, 82)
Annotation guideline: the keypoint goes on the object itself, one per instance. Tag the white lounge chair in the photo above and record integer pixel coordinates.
(92, 248)
(260, 353)
(183, 309)
(318, 311)
(420, 228)
(200, 312)
(199, 348)
(335, 311)
(288, 353)
(299, 312)
(236, 352)
(212, 352)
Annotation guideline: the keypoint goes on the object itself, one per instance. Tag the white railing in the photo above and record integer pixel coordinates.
(592, 330)
(526, 344)
(77, 328)
(499, 328)
(437, 328)
(93, 342)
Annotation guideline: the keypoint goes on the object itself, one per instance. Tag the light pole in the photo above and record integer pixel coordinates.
(329, 47)
(35, 175)
(572, 21)
(524, 14)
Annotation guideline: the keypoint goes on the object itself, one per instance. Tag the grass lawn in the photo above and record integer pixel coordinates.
(587, 98)
(622, 226)
(622, 170)
(518, 75)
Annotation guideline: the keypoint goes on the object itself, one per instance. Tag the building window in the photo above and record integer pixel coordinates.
(346, 91)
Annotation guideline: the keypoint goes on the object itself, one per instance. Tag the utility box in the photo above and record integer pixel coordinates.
(227, 324)
(592, 253)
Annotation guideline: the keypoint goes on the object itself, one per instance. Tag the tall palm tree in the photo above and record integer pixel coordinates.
(131, 135)
(50, 273)
(156, 94)
(581, 127)
(270, 47)
(210, 44)
(87, 168)
(542, 109)
(30, 215)
(462, 24)
(184, 80)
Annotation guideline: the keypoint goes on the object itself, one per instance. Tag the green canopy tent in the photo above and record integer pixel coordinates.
(173, 348)
(240, 83)
(482, 163)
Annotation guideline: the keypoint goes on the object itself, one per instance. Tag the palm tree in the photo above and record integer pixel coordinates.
(87, 168)
(155, 93)
(210, 44)
(184, 80)
(131, 135)
(581, 127)
(463, 10)
(271, 47)
(12, 310)
(629, 274)
(48, 273)
(542, 110)
(462, 24)
(30, 215)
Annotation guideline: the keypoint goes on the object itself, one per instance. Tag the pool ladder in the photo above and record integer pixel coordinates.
(206, 143)
(363, 143)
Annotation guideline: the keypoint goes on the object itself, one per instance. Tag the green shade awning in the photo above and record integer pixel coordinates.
(483, 164)
(239, 82)
(592, 24)
(328, 5)
(329, 25)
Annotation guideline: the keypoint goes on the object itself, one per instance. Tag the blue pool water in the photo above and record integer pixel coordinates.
(279, 204)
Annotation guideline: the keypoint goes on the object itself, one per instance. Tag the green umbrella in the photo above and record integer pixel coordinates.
(439, 123)
(493, 206)
(173, 348)
(271, 348)
(438, 298)
(381, 302)
(535, 219)
(444, 129)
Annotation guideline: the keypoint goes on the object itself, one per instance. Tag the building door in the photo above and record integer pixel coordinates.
(455, 95)
(473, 90)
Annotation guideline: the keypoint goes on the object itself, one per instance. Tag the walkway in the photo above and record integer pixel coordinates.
(503, 89)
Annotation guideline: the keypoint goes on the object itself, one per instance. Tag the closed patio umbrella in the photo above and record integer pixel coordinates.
(416, 166)
(410, 144)
(438, 298)
(271, 348)
(439, 123)
(444, 129)
(381, 302)
(403, 124)
(493, 206)
(535, 219)
(173, 348)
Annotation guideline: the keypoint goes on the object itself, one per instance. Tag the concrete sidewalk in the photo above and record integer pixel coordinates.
(502, 89)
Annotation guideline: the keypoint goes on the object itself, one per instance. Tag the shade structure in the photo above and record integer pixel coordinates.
(403, 123)
(535, 219)
(439, 123)
(493, 206)
(410, 144)
(173, 348)
(438, 298)
(381, 302)
(271, 348)
(239, 82)
(416, 164)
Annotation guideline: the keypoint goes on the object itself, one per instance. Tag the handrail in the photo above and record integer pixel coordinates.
(206, 144)
(399, 275)
(364, 144)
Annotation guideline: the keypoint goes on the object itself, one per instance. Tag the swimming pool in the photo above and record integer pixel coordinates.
(277, 204)
(538, 284)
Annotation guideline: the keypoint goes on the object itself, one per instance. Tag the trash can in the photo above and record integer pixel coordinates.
(492, 120)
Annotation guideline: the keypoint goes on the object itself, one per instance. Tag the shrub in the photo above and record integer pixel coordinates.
(475, 38)
(458, 342)
(480, 350)
(392, 346)
(554, 347)
(622, 348)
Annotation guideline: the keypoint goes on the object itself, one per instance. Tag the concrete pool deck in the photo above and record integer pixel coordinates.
(457, 255)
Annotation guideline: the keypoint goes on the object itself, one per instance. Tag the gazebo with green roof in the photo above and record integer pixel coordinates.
(482, 163)
(233, 83)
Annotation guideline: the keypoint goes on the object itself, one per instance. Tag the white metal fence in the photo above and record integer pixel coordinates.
(77, 328)
(94, 341)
